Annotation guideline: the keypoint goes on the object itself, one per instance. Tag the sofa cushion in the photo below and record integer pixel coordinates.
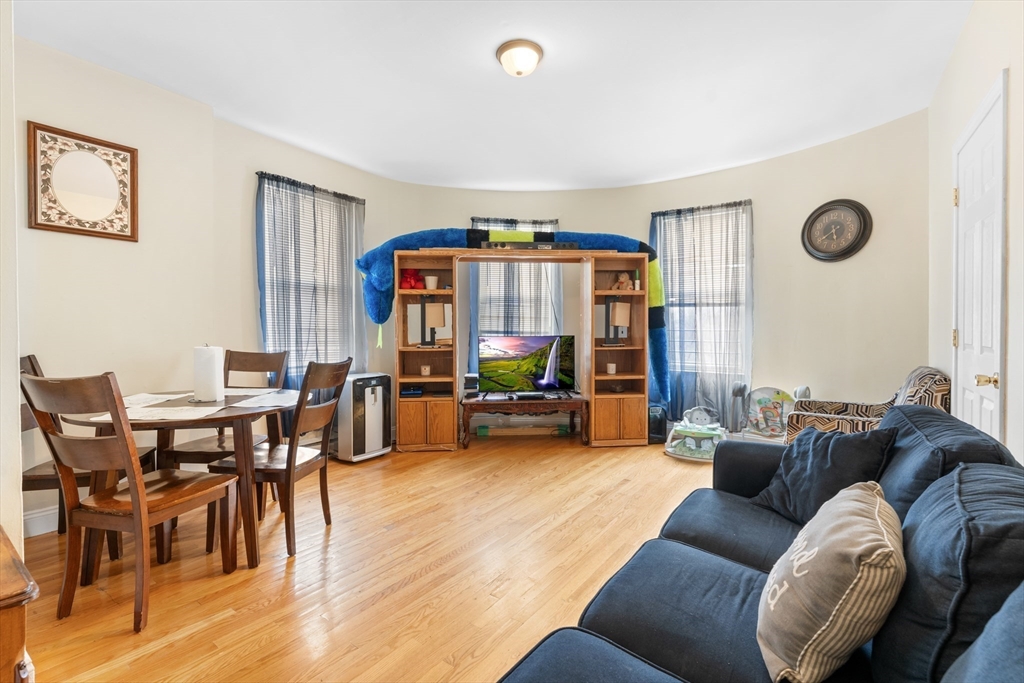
(732, 527)
(685, 610)
(818, 465)
(570, 654)
(929, 444)
(998, 653)
(832, 589)
(964, 544)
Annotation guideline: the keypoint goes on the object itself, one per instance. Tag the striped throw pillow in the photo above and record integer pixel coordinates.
(832, 590)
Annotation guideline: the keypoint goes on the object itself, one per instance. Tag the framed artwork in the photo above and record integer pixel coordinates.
(81, 185)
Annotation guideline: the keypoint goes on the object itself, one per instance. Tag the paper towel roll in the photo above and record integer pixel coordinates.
(209, 373)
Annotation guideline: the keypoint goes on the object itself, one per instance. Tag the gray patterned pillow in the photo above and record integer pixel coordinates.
(832, 590)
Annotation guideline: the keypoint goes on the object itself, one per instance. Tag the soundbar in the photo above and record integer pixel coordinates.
(538, 246)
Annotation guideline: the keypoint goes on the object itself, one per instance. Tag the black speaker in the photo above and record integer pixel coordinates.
(657, 425)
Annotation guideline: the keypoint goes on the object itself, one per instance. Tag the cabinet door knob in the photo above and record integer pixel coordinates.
(985, 380)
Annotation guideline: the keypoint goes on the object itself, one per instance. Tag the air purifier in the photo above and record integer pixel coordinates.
(363, 424)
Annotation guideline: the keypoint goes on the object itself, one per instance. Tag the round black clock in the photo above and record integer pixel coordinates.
(837, 230)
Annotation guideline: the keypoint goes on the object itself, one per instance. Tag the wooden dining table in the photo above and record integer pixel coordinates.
(238, 418)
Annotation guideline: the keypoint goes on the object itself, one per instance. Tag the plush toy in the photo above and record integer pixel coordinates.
(623, 281)
(411, 279)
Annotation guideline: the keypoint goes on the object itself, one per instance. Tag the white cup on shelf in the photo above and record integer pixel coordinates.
(425, 370)
(611, 368)
(430, 281)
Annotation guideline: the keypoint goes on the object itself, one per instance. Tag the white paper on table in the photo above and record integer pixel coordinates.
(284, 397)
(248, 391)
(173, 413)
(143, 400)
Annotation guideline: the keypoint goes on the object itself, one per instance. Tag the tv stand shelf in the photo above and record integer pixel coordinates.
(431, 423)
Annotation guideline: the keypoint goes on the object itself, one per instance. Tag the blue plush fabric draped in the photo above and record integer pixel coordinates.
(307, 240)
(706, 263)
(524, 298)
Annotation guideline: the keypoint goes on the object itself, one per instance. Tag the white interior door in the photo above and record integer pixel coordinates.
(979, 162)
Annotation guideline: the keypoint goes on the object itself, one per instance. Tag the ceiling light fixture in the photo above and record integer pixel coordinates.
(519, 57)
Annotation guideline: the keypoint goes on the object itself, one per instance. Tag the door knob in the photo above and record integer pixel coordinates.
(985, 380)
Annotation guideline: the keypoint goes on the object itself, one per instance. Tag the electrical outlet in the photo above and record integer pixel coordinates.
(623, 332)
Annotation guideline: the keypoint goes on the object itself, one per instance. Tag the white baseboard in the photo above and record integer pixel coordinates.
(41, 521)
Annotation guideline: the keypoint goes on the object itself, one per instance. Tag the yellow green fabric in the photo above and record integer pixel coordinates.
(510, 235)
(655, 286)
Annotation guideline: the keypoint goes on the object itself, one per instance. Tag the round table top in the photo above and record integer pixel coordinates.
(229, 413)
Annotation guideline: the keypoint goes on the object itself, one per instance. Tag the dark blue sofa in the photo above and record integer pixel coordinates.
(685, 606)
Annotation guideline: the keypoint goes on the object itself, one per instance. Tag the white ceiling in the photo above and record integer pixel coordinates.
(627, 92)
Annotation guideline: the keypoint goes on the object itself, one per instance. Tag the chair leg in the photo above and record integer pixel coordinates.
(115, 545)
(229, 529)
(62, 519)
(72, 567)
(163, 542)
(261, 500)
(211, 525)
(325, 501)
(273, 492)
(285, 497)
(142, 577)
(93, 552)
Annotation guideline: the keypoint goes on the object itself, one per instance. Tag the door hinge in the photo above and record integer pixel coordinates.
(956, 338)
(956, 196)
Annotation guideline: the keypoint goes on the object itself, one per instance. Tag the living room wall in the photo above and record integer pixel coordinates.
(990, 42)
(89, 305)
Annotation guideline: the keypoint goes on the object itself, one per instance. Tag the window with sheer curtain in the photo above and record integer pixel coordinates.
(307, 240)
(512, 299)
(706, 256)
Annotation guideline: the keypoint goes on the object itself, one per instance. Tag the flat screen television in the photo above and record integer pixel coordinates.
(527, 363)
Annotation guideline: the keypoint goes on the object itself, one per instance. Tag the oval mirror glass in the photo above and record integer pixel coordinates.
(85, 185)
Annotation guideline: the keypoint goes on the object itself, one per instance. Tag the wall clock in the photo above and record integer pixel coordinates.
(837, 230)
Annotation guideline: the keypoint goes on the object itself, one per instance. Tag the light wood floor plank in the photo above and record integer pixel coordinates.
(438, 567)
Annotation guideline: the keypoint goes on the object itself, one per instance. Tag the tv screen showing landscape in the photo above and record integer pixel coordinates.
(527, 363)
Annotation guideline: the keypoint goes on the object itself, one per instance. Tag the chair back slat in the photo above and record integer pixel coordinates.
(324, 381)
(246, 361)
(316, 417)
(28, 420)
(94, 453)
(75, 396)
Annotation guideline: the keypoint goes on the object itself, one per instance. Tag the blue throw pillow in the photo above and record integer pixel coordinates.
(818, 465)
(964, 545)
(998, 655)
(929, 444)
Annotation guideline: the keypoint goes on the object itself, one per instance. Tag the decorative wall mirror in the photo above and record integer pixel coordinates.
(81, 185)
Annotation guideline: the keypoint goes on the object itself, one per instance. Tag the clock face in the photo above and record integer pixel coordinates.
(837, 230)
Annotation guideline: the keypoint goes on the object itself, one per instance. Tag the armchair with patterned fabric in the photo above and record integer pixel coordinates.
(924, 386)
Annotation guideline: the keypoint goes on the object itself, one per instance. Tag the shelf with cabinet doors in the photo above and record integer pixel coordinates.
(426, 422)
(618, 397)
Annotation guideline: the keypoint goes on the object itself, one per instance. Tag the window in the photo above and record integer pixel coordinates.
(706, 259)
(514, 298)
(310, 294)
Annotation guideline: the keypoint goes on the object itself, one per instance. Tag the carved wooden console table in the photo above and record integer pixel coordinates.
(471, 406)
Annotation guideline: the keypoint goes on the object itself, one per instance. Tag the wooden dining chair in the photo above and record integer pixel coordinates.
(284, 464)
(221, 445)
(141, 502)
(43, 477)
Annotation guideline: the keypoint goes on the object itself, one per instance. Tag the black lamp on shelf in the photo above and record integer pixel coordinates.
(431, 317)
(616, 317)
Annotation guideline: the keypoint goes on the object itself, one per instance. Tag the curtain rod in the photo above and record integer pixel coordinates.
(709, 207)
(307, 186)
(532, 221)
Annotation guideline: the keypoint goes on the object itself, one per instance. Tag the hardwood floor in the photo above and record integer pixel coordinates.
(438, 567)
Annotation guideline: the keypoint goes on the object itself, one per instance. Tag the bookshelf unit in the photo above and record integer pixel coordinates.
(428, 422)
(617, 403)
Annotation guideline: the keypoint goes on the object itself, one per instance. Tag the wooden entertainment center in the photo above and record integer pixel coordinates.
(617, 402)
